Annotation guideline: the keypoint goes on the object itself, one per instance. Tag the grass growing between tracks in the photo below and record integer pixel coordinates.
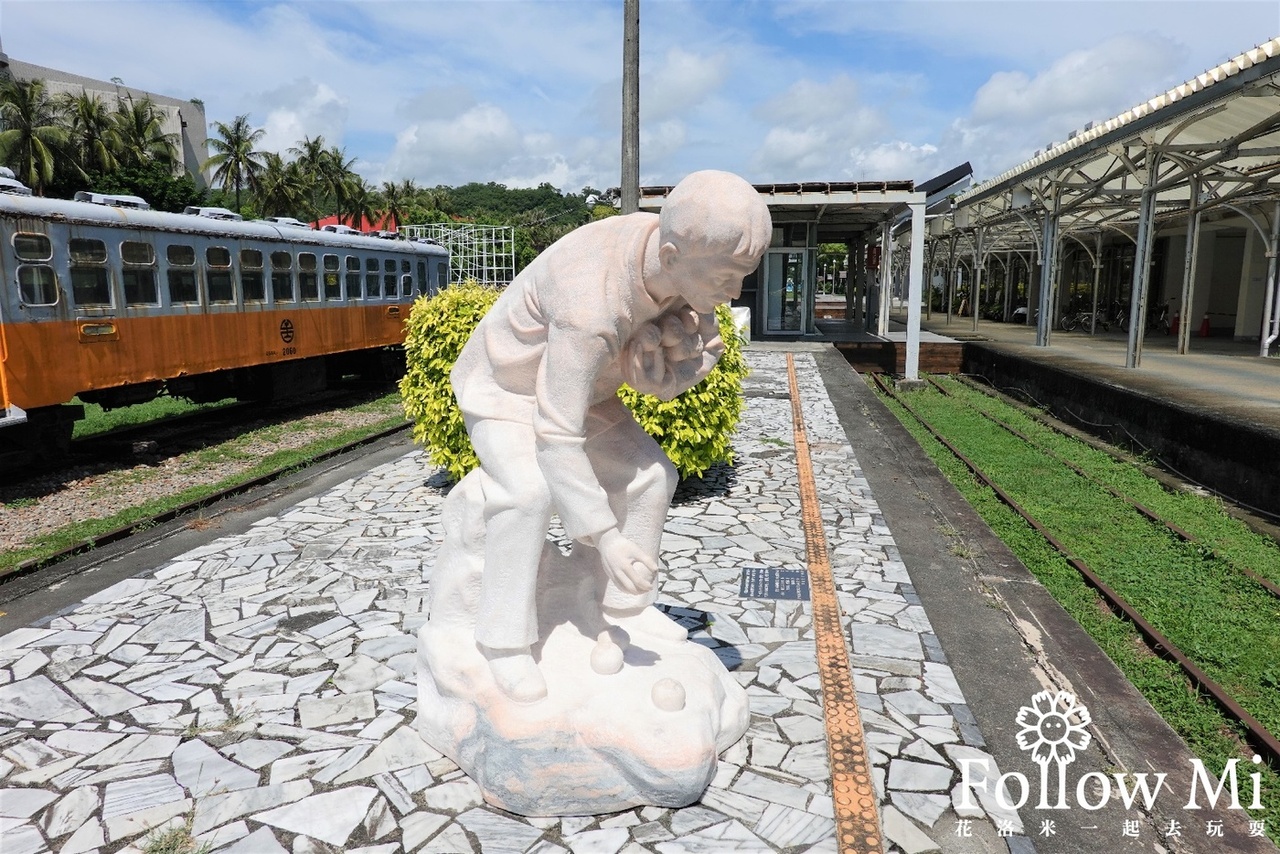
(1202, 516)
(249, 455)
(1139, 567)
(98, 420)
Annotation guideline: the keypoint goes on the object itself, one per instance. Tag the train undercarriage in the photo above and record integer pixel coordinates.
(46, 436)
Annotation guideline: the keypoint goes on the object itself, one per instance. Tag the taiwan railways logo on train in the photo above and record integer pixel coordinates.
(286, 331)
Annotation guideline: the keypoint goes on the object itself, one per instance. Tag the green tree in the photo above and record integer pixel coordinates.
(237, 164)
(34, 135)
(93, 134)
(359, 203)
(153, 181)
(396, 199)
(282, 188)
(140, 129)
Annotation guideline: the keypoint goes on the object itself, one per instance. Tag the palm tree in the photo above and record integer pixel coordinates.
(92, 133)
(282, 189)
(238, 165)
(338, 179)
(34, 135)
(396, 199)
(139, 125)
(359, 202)
(437, 199)
(309, 155)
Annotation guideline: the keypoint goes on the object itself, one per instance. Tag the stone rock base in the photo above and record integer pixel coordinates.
(599, 742)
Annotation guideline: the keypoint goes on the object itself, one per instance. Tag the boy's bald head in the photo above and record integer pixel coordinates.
(714, 212)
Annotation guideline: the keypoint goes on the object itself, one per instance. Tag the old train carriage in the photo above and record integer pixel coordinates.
(104, 299)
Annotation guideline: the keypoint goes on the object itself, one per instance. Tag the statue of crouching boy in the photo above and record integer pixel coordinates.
(624, 299)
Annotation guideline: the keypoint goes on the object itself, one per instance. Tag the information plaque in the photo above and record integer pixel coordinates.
(770, 582)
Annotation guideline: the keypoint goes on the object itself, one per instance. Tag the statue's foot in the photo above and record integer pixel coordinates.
(516, 674)
(648, 621)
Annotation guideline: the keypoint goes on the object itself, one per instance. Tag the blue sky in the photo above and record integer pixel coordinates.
(527, 91)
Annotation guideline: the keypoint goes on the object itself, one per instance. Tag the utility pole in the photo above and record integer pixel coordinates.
(630, 106)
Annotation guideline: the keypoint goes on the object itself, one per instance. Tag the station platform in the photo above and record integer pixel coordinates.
(252, 681)
(1217, 374)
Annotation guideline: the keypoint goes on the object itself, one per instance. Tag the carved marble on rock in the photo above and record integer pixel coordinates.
(548, 676)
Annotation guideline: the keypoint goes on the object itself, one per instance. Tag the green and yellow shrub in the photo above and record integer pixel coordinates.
(434, 334)
(694, 430)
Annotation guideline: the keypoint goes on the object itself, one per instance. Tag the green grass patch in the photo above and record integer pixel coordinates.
(1225, 622)
(1204, 517)
(98, 420)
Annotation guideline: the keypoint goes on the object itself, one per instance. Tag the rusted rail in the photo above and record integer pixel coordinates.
(125, 531)
(1255, 733)
(1270, 586)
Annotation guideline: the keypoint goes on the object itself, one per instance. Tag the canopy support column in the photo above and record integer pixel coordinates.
(1142, 267)
(915, 291)
(1048, 273)
(1189, 269)
(1271, 303)
(886, 273)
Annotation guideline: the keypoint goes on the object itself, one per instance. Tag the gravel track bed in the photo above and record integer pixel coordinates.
(41, 505)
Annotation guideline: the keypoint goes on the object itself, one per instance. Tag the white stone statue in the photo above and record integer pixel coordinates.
(549, 677)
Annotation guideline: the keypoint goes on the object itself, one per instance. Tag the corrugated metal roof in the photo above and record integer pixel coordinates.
(1266, 54)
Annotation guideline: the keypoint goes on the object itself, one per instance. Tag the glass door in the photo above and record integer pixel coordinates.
(784, 304)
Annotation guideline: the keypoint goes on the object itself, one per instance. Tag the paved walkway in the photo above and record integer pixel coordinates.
(259, 690)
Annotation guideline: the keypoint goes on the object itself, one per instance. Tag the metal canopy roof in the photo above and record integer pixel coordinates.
(841, 209)
(1217, 136)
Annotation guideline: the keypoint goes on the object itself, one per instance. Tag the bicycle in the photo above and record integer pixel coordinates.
(1073, 320)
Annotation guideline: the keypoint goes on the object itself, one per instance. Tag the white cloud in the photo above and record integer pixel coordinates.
(303, 108)
(681, 82)
(897, 161)
(1013, 113)
(811, 128)
(456, 149)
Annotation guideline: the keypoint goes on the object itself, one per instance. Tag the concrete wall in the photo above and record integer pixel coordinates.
(1225, 454)
(184, 119)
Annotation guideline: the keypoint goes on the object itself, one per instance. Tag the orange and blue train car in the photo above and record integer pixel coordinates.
(107, 301)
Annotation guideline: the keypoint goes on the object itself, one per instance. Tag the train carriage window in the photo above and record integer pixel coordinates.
(404, 265)
(251, 282)
(182, 274)
(372, 282)
(32, 247)
(442, 275)
(90, 283)
(308, 281)
(138, 273)
(353, 277)
(389, 278)
(332, 279)
(37, 284)
(217, 274)
(406, 285)
(423, 287)
(282, 277)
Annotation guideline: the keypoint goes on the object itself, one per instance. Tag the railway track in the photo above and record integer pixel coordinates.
(1135, 505)
(138, 525)
(1170, 616)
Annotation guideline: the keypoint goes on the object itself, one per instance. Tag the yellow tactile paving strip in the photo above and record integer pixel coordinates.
(857, 820)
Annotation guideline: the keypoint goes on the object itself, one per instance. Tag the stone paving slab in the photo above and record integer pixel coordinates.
(261, 689)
